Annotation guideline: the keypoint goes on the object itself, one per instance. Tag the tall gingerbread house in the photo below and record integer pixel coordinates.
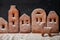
(24, 23)
(3, 25)
(52, 21)
(38, 20)
(13, 19)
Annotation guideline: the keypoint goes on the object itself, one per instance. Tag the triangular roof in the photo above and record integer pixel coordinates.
(13, 9)
(2, 20)
(52, 14)
(24, 16)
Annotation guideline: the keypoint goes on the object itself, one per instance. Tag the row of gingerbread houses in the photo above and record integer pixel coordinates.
(23, 24)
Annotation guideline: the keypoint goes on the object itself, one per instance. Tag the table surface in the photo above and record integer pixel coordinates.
(28, 36)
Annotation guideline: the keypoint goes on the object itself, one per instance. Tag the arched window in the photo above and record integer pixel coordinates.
(36, 19)
(50, 20)
(27, 21)
(3, 26)
(54, 20)
(40, 19)
(22, 22)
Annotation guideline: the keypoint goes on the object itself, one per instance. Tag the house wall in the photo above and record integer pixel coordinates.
(53, 21)
(3, 25)
(25, 26)
(38, 19)
(13, 19)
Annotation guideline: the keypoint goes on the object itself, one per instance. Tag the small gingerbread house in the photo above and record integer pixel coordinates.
(13, 19)
(3, 25)
(24, 23)
(38, 19)
(52, 21)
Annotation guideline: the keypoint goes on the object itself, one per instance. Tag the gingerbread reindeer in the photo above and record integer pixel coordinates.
(46, 29)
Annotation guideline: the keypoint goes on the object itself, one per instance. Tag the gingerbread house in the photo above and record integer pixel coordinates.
(24, 23)
(3, 25)
(38, 19)
(52, 21)
(13, 19)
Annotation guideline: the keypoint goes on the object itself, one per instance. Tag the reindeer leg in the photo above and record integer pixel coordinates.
(43, 33)
(49, 34)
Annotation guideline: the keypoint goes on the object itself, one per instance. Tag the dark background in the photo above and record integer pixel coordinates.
(27, 6)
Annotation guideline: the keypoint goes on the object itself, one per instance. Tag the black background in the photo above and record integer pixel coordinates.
(27, 6)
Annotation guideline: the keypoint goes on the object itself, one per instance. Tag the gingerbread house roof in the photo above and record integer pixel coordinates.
(24, 16)
(38, 10)
(52, 14)
(3, 20)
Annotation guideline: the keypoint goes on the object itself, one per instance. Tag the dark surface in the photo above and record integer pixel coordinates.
(26, 6)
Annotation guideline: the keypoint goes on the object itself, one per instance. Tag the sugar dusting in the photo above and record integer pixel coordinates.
(27, 36)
